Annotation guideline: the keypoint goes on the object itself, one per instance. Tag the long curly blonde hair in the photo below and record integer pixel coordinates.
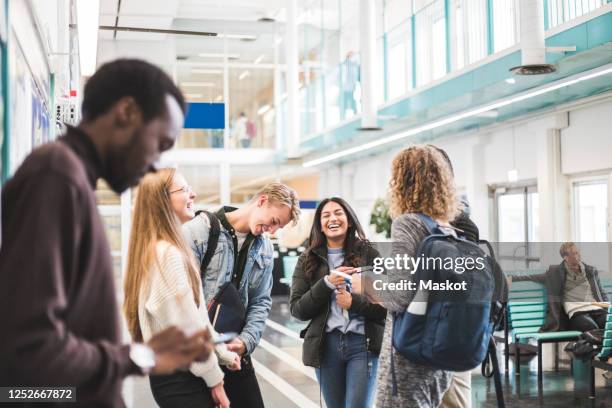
(422, 182)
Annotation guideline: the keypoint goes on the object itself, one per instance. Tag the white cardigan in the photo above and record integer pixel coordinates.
(166, 299)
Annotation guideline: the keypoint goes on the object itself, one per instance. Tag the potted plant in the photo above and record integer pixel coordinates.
(380, 217)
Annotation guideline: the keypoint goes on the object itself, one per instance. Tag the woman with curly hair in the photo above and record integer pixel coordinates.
(343, 338)
(421, 183)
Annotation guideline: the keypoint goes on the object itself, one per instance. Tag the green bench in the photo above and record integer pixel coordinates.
(600, 360)
(525, 315)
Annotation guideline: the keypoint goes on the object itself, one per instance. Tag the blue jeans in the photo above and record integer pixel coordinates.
(348, 371)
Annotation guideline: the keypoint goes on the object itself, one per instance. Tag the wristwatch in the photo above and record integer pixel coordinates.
(143, 356)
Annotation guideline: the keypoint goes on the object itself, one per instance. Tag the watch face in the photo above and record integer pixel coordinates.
(142, 356)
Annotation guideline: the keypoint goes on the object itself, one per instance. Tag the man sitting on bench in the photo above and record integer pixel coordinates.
(576, 299)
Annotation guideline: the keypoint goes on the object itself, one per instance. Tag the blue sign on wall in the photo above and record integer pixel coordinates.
(205, 116)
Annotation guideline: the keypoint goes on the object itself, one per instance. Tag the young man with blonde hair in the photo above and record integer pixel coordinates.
(232, 249)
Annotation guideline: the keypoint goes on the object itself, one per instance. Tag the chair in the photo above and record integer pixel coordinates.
(526, 312)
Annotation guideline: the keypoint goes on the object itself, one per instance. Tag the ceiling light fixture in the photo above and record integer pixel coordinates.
(206, 71)
(244, 74)
(259, 59)
(263, 110)
(193, 95)
(585, 76)
(88, 16)
(218, 55)
(219, 98)
(198, 84)
(246, 37)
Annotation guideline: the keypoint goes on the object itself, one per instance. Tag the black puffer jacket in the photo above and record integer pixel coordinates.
(311, 300)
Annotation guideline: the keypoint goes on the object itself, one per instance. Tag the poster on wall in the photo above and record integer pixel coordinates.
(29, 112)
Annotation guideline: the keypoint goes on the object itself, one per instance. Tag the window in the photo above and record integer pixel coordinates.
(399, 67)
(468, 26)
(430, 28)
(505, 24)
(590, 199)
(560, 11)
(518, 225)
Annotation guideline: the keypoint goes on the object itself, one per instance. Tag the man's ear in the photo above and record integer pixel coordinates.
(127, 112)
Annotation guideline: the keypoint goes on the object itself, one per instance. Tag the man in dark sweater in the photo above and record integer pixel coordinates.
(58, 310)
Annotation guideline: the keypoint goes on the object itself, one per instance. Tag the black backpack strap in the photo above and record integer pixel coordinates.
(213, 240)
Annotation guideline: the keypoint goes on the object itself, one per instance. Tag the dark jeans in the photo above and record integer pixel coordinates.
(348, 371)
(590, 320)
(180, 390)
(242, 387)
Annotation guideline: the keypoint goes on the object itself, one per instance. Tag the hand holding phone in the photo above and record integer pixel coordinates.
(222, 338)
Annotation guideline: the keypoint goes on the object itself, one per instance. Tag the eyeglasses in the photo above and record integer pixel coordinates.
(185, 189)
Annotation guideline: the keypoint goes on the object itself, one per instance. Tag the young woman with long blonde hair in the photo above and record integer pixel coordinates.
(163, 288)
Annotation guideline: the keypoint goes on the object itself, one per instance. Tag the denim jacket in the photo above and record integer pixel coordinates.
(256, 284)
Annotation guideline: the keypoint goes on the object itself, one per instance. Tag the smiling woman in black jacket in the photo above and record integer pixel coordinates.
(345, 332)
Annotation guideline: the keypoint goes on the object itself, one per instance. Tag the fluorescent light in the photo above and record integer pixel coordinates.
(193, 95)
(219, 98)
(263, 110)
(88, 20)
(244, 74)
(259, 59)
(218, 55)
(511, 80)
(206, 71)
(544, 89)
(237, 36)
(198, 84)
(279, 40)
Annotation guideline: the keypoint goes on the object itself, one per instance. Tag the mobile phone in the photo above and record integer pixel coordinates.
(224, 337)
(346, 276)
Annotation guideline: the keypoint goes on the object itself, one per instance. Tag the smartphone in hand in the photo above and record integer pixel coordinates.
(224, 337)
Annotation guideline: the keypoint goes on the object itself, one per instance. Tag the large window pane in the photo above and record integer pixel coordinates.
(561, 11)
(251, 97)
(399, 67)
(204, 180)
(518, 221)
(591, 211)
(430, 29)
(511, 215)
(505, 24)
(468, 25)
(396, 13)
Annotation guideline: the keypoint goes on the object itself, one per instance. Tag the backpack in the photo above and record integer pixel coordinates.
(455, 331)
(225, 310)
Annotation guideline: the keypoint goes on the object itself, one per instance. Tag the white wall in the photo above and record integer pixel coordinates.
(587, 142)
(541, 149)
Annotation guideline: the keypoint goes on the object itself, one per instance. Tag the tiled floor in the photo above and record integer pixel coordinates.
(286, 383)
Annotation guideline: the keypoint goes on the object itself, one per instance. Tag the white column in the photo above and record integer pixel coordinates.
(476, 188)
(292, 130)
(279, 142)
(367, 17)
(225, 188)
(126, 226)
(226, 101)
(552, 189)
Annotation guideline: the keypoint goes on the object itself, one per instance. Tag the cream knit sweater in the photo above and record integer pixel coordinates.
(166, 299)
